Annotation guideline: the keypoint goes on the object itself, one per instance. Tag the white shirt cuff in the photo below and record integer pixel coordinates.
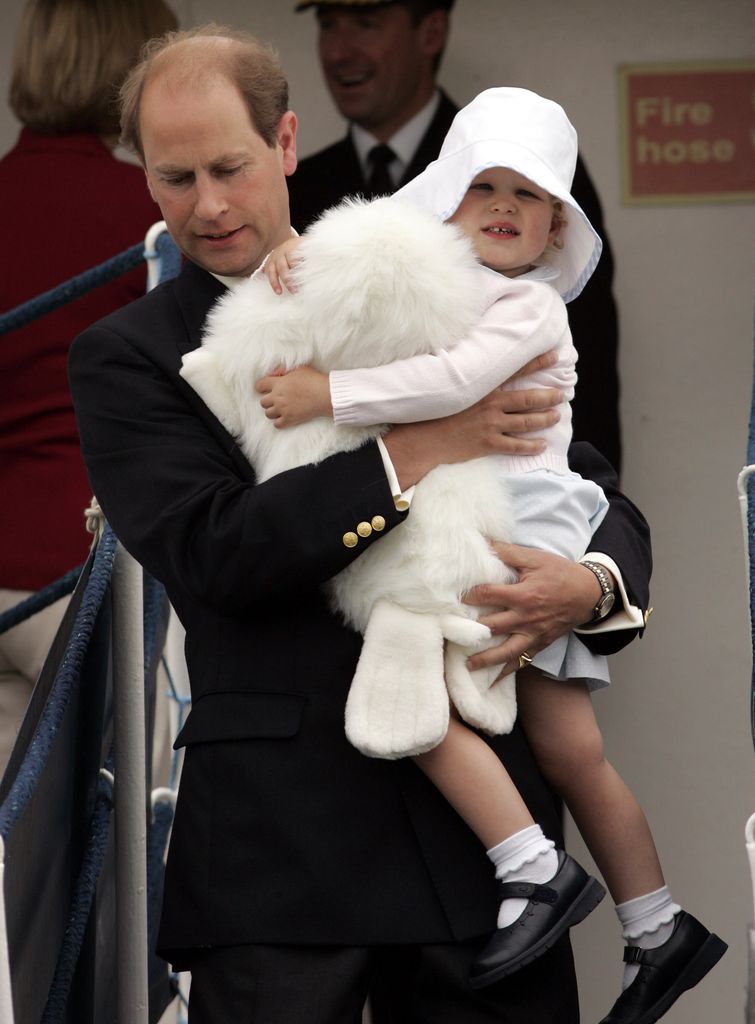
(627, 617)
(401, 499)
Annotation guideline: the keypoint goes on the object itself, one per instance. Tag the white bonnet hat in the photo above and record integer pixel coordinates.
(518, 129)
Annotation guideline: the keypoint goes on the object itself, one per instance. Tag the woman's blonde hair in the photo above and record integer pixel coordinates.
(200, 55)
(71, 56)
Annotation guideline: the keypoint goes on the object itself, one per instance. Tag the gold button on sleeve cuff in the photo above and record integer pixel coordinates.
(378, 523)
(364, 529)
(350, 539)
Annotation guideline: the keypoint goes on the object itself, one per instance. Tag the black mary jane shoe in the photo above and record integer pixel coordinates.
(666, 972)
(551, 910)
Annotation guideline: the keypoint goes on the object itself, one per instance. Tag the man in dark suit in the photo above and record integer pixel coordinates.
(296, 865)
(380, 61)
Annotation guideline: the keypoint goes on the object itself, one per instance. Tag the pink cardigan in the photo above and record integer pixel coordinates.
(524, 317)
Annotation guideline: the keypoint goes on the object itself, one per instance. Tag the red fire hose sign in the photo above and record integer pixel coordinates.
(688, 132)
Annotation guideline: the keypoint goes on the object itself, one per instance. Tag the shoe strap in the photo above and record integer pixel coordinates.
(637, 955)
(685, 924)
(527, 891)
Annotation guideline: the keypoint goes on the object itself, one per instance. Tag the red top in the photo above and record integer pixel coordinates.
(69, 205)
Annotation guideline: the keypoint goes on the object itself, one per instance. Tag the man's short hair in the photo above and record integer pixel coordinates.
(418, 9)
(69, 59)
(199, 55)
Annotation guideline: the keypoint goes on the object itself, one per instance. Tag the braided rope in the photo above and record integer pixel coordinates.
(163, 808)
(183, 704)
(166, 253)
(72, 289)
(94, 854)
(86, 886)
(66, 678)
(169, 256)
(40, 600)
(154, 606)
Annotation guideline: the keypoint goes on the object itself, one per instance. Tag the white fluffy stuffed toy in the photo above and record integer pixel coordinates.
(377, 282)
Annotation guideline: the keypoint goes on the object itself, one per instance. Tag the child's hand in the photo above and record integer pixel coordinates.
(296, 397)
(280, 263)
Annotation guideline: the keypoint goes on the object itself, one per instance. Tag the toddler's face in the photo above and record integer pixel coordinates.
(509, 219)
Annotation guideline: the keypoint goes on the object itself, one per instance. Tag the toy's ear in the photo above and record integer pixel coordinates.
(201, 369)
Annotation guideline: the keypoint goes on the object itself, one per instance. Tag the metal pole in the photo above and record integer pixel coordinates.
(6, 991)
(130, 791)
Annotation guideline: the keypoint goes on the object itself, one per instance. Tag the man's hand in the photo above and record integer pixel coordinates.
(552, 596)
(490, 427)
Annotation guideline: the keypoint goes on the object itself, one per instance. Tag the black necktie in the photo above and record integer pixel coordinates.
(379, 181)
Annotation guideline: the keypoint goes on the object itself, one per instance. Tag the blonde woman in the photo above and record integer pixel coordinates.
(69, 205)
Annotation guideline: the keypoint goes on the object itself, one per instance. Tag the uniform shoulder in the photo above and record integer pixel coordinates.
(331, 155)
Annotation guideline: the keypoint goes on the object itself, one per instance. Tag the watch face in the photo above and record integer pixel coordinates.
(604, 605)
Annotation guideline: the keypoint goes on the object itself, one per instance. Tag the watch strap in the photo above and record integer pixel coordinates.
(607, 596)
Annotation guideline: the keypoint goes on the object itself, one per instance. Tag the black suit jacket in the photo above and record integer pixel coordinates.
(283, 832)
(324, 178)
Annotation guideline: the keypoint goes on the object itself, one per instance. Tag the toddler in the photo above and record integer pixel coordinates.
(503, 177)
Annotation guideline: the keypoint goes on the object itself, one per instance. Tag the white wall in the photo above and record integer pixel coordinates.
(676, 719)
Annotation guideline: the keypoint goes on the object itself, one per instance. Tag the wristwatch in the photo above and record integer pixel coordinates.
(607, 597)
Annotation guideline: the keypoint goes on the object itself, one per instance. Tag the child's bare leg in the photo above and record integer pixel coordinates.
(543, 891)
(559, 721)
(476, 784)
(560, 724)
(480, 790)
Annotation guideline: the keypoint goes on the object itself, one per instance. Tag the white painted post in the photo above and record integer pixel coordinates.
(130, 791)
(6, 992)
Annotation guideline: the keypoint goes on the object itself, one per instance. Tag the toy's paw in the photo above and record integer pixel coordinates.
(479, 699)
(464, 631)
(397, 704)
(198, 363)
(201, 369)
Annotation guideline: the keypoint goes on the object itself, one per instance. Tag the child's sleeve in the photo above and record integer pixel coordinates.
(527, 320)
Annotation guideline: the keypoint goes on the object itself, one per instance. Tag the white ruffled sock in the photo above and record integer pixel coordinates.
(527, 856)
(647, 922)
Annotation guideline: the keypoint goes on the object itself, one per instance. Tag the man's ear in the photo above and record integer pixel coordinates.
(286, 136)
(433, 32)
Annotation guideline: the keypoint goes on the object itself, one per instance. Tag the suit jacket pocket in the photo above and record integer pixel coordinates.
(241, 715)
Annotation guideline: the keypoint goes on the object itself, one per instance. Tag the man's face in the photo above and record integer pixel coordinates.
(220, 187)
(378, 66)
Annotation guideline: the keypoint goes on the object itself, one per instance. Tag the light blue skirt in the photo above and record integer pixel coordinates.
(559, 512)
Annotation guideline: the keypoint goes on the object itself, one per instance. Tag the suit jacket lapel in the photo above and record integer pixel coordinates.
(196, 291)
